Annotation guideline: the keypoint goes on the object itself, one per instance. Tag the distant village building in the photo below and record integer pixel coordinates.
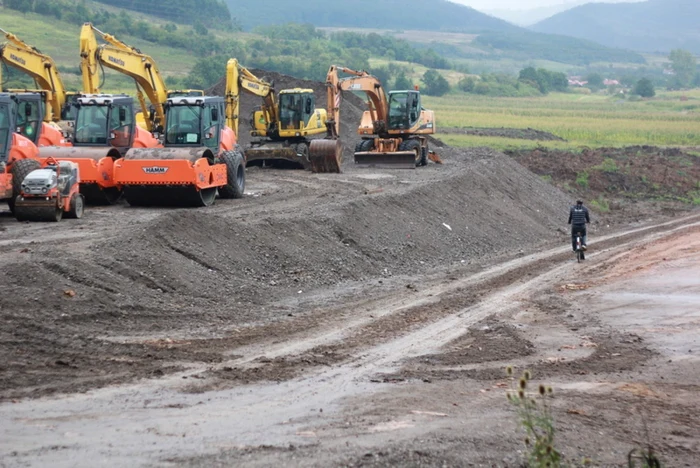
(608, 82)
(577, 81)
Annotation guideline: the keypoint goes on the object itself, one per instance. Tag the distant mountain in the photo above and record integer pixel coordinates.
(436, 15)
(528, 17)
(651, 26)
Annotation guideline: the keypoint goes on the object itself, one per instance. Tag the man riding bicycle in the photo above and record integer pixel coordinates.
(578, 218)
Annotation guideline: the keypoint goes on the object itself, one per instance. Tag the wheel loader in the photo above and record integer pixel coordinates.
(18, 155)
(50, 193)
(393, 129)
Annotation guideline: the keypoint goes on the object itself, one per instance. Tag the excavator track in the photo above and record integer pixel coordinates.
(172, 196)
(325, 156)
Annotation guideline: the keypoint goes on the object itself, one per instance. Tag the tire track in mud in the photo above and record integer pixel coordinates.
(277, 414)
(386, 322)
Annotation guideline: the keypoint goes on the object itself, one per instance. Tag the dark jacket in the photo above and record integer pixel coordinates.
(578, 215)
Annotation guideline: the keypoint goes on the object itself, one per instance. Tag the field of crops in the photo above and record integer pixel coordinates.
(669, 119)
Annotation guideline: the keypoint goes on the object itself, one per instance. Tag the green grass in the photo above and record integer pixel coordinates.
(583, 120)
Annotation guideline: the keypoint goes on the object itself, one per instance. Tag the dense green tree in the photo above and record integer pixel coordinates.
(402, 82)
(684, 66)
(467, 84)
(595, 80)
(435, 83)
(644, 88)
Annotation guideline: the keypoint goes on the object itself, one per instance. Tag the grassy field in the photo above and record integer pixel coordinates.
(61, 43)
(670, 119)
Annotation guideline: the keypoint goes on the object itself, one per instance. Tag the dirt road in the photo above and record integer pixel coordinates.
(409, 371)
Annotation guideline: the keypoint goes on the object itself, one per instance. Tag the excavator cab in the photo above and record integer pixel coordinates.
(404, 109)
(296, 109)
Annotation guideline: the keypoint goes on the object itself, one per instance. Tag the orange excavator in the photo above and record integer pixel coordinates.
(395, 127)
(18, 155)
(201, 156)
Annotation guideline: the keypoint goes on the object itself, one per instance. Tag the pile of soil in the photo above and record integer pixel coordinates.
(620, 175)
(517, 133)
(85, 313)
(351, 107)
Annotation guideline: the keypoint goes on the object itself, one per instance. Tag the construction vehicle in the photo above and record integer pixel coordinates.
(50, 89)
(129, 61)
(48, 193)
(283, 124)
(18, 155)
(104, 130)
(200, 159)
(393, 129)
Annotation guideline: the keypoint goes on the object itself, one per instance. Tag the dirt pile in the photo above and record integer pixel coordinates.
(73, 314)
(517, 133)
(613, 178)
(351, 108)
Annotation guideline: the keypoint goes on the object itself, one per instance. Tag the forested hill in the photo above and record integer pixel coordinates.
(210, 13)
(654, 25)
(432, 15)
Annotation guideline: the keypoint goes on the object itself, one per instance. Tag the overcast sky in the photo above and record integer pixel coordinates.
(525, 4)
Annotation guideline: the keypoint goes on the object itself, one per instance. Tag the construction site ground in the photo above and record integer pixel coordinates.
(355, 319)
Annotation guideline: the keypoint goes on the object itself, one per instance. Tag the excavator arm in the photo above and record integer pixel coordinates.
(127, 60)
(252, 84)
(41, 68)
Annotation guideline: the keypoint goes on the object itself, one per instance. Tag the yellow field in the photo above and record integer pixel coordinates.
(582, 120)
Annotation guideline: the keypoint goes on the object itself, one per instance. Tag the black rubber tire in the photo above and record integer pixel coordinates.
(412, 145)
(20, 169)
(303, 149)
(364, 146)
(77, 206)
(424, 155)
(235, 173)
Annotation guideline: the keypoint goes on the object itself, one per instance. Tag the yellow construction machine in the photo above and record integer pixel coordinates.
(200, 159)
(393, 129)
(129, 61)
(283, 125)
(48, 103)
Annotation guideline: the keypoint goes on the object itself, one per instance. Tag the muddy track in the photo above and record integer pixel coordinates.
(319, 369)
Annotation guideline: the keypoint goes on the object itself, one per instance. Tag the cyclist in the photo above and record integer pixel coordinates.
(578, 218)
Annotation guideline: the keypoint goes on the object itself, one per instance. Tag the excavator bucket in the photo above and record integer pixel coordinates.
(295, 155)
(170, 176)
(96, 167)
(325, 156)
(386, 160)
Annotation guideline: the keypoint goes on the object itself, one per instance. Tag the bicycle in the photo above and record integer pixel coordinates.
(580, 252)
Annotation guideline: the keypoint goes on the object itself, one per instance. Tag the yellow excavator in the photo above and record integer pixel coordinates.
(129, 61)
(283, 124)
(395, 127)
(47, 103)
